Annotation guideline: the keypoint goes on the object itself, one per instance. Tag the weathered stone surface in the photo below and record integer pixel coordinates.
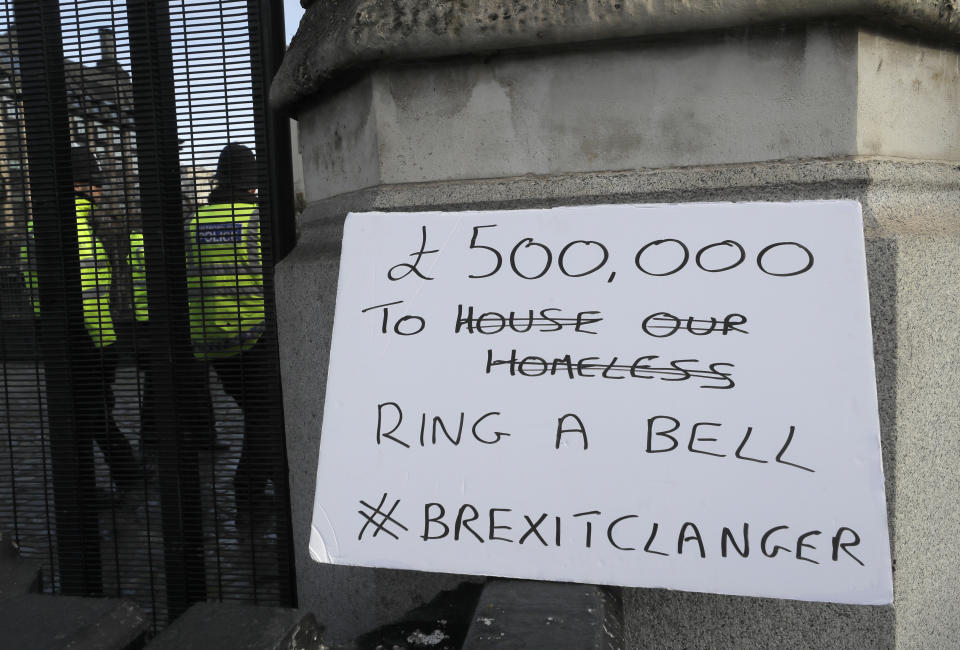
(674, 619)
(340, 35)
(46, 622)
(519, 614)
(803, 92)
(912, 227)
(441, 624)
(241, 627)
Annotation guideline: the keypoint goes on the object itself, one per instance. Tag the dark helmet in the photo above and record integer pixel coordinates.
(86, 169)
(237, 167)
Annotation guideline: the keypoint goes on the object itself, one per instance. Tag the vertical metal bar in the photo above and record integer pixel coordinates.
(272, 132)
(170, 352)
(267, 43)
(57, 261)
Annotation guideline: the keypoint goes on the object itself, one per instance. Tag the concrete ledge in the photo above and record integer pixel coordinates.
(515, 614)
(802, 92)
(893, 184)
(441, 623)
(38, 621)
(340, 35)
(240, 627)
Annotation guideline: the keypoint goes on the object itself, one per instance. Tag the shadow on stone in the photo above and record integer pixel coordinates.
(440, 624)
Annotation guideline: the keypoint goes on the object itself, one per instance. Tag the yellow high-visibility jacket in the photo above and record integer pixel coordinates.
(138, 275)
(224, 279)
(95, 277)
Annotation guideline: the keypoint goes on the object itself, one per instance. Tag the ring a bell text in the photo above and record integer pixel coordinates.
(660, 433)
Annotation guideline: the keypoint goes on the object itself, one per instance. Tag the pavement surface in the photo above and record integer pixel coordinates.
(243, 562)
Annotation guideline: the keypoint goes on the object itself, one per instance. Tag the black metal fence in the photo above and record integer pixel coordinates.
(124, 419)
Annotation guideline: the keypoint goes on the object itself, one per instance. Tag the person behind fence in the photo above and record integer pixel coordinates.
(95, 361)
(227, 317)
(196, 416)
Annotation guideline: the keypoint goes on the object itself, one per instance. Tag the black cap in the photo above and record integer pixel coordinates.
(237, 167)
(86, 169)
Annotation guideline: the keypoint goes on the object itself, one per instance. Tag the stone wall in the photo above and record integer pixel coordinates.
(775, 101)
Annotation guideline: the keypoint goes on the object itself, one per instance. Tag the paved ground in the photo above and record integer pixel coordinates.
(240, 564)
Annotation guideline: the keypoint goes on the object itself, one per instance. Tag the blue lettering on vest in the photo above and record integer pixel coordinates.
(220, 233)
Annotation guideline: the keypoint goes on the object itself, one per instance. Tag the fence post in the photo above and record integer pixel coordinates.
(177, 376)
(272, 133)
(56, 257)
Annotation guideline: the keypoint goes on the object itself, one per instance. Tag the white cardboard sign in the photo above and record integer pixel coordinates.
(676, 396)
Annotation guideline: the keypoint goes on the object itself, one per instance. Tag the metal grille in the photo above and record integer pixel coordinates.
(122, 433)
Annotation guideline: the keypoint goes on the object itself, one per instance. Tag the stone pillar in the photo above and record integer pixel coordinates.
(487, 104)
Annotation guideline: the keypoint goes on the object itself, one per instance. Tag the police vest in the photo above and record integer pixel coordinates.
(224, 279)
(95, 277)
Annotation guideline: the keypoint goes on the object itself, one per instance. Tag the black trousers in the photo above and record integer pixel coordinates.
(96, 370)
(249, 379)
(192, 394)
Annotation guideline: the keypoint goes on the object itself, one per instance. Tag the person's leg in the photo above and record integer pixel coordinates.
(246, 378)
(196, 413)
(117, 452)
